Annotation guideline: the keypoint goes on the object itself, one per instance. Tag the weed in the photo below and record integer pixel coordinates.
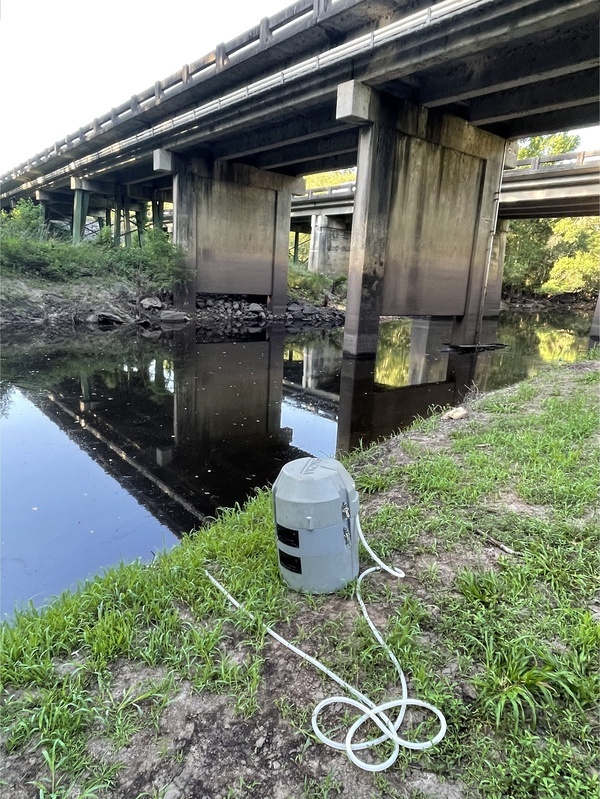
(327, 788)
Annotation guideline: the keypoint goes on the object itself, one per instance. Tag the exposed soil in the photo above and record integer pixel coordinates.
(98, 305)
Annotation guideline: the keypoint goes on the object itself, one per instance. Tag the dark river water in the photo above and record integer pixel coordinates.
(114, 446)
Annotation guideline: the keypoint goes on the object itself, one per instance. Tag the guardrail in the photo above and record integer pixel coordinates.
(327, 192)
(270, 30)
(568, 160)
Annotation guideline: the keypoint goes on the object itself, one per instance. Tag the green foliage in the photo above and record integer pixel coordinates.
(519, 679)
(576, 242)
(26, 220)
(307, 285)
(528, 260)
(27, 249)
(578, 274)
(321, 179)
(554, 144)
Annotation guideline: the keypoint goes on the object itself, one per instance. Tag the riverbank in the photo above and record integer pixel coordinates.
(146, 684)
(110, 303)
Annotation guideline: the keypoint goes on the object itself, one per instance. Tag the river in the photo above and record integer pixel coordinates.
(114, 446)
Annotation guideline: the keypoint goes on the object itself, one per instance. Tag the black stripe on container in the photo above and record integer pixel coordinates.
(287, 536)
(290, 562)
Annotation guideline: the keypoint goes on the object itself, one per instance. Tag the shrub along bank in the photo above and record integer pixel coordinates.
(146, 683)
(29, 249)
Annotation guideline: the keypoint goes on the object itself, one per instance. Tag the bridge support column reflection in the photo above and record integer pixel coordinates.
(369, 409)
(355, 414)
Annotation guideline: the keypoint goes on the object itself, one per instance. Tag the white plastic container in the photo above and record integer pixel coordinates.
(316, 513)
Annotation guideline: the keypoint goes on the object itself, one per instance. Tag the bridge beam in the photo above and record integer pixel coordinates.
(233, 222)
(424, 214)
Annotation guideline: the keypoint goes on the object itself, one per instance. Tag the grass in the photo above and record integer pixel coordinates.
(506, 645)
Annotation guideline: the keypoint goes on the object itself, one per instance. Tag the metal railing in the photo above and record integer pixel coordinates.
(261, 36)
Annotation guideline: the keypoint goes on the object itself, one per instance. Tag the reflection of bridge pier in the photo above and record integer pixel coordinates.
(230, 391)
(436, 379)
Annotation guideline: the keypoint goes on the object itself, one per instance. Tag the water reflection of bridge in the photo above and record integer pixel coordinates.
(201, 427)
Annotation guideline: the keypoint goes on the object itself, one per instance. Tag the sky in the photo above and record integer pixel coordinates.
(65, 62)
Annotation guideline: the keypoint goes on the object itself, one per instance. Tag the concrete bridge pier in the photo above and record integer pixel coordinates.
(233, 222)
(425, 210)
(595, 330)
(81, 201)
(329, 245)
(493, 293)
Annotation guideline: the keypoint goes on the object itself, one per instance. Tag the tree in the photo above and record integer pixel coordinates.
(529, 256)
(334, 178)
(554, 144)
(575, 246)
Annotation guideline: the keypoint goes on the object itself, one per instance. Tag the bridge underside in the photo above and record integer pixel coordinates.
(434, 98)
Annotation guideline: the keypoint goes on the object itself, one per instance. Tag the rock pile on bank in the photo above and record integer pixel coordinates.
(238, 314)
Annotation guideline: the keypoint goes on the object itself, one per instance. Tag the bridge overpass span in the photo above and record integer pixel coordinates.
(421, 95)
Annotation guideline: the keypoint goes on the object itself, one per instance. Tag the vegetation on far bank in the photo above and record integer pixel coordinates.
(494, 520)
(547, 257)
(31, 252)
(29, 249)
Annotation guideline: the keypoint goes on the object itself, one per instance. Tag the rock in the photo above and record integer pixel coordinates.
(174, 316)
(310, 310)
(92, 319)
(150, 302)
(294, 306)
(109, 318)
(456, 413)
(469, 693)
(250, 317)
(254, 307)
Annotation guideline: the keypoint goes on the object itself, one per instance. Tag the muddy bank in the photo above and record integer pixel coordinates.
(96, 306)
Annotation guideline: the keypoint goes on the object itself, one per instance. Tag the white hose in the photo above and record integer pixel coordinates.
(376, 713)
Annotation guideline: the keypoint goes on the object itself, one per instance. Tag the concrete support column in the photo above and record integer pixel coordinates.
(375, 167)
(595, 330)
(81, 201)
(425, 210)
(140, 219)
(127, 219)
(493, 293)
(233, 222)
(118, 215)
(329, 245)
(158, 211)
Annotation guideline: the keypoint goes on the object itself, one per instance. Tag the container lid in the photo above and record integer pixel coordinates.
(309, 493)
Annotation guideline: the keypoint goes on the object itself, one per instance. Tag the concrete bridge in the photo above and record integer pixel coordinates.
(420, 95)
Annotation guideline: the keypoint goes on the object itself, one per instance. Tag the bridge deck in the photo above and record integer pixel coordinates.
(267, 97)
